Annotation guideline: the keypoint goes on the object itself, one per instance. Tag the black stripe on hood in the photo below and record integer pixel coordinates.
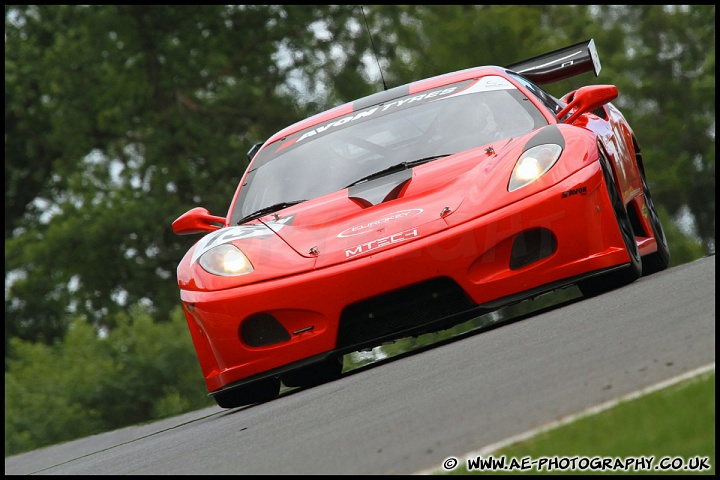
(549, 134)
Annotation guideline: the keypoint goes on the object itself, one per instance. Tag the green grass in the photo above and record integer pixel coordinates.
(678, 421)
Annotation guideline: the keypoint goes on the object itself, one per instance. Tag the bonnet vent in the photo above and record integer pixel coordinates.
(380, 190)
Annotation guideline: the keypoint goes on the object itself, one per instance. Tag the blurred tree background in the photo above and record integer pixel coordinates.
(119, 118)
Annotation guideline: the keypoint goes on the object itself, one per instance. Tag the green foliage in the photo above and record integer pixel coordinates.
(684, 248)
(87, 384)
(41, 406)
(120, 118)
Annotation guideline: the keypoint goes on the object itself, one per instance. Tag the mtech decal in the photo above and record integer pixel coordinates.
(380, 242)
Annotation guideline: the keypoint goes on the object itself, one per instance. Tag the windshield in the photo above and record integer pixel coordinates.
(428, 125)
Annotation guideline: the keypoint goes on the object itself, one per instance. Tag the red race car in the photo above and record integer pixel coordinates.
(410, 211)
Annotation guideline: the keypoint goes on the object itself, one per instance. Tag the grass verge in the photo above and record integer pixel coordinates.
(675, 426)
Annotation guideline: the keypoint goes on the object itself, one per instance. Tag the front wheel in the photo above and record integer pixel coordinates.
(617, 278)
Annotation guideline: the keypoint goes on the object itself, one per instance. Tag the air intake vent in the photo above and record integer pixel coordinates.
(531, 246)
(261, 330)
(401, 310)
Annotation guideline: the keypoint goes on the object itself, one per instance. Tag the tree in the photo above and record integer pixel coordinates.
(120, 118)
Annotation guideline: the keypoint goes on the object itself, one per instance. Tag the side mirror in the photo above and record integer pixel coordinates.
(197, 220)
(587, 99)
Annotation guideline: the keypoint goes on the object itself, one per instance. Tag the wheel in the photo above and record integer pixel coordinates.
(259, 391)
(315, 374)
(659, 260)
(617, 278)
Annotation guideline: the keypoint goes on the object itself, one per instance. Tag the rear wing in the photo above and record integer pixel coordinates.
(560, 64)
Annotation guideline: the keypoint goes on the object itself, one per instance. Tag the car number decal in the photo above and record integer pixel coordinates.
(230, 234)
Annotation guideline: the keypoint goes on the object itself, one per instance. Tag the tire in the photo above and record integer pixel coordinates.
(659, 260)
(259, 391)
(316, 374)
(617, 278)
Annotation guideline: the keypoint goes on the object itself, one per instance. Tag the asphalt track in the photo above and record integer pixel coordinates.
(408, 415)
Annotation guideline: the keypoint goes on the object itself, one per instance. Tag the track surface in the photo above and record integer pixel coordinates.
(409, 414)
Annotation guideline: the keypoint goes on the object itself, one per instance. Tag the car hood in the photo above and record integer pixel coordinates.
(389, 211)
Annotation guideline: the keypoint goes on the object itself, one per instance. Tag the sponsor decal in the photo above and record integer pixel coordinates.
(645, 211)
(381, 242)
(230, 234)
(575, 191)
(371, 226)
(382, 108)
(487, 83)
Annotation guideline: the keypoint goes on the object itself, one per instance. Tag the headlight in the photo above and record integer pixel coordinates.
(225, 260)
(533, 164)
